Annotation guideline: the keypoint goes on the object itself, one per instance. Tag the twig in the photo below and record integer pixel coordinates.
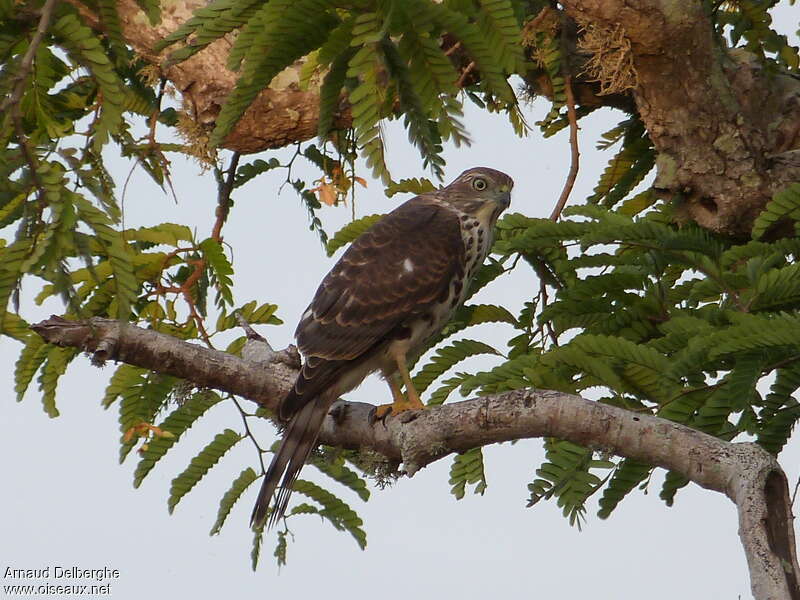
(27, 59)
(534, 23)
(14, 98)
(259, 450)
(467, 71)
(573, 143)
(545, 327)
(251, 333)
(224, 197)
(452, 49)
(794, 494)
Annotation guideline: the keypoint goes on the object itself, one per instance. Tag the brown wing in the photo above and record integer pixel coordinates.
(398, 268)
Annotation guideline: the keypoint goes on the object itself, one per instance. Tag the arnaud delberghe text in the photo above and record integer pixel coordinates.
(59, 572)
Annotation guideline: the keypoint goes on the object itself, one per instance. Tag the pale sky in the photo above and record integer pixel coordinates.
(66, 501)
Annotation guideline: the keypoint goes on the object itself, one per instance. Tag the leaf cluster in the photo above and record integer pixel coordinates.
(385, 56)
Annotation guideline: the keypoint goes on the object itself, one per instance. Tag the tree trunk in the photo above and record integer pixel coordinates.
(721, 124)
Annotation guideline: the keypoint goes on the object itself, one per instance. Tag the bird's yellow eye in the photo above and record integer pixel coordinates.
(479, 184)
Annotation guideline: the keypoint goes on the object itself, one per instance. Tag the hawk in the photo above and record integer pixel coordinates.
(394, 288)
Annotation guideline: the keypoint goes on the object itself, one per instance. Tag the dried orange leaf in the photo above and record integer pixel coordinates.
(327, 194)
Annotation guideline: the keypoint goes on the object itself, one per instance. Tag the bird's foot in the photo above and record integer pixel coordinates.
(384, 411)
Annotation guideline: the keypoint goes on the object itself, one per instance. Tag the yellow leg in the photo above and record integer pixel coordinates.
(411, 392)
(394, 386)
(400, 403)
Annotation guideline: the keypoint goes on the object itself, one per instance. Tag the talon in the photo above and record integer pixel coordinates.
(379, 414)
(384, 411)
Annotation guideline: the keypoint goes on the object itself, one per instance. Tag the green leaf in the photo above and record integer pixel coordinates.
(152, 8)
(499, 25)
(511, 375)
(350, 232)
(334, 510)
(280, 549)
(11, 261)
(208, 24)
(176, 423)
(368, 97)
(140, 403)
(53, 368)
(125, 378)
(672, 483)
(84, 47)
(784, 204)
(239, 485)
(410, 186)
(447, 357)
(247, 172)
(473, 40)
(169, 234)
(281, 32)
(774, 434)
(467, 468)
(221, 270)
(628, 475)
(335, 468)
(33, 355)
(255, 553)
(440, 395)
(566, 475)
(626, 170)
(116, 249)
(777, 288)
(423, 132)
(200, 465)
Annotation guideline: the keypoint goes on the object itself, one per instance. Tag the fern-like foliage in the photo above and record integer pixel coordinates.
(176, 423)
(238, 487)
(280, 32)
(784, 205)
(333, 510)
(566, 475)
(467, 468)
(446, 358)
(666, 319)
(200, 466)
(385, 56)
(350, 232)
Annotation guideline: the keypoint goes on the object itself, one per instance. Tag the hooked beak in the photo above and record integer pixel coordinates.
(504, 199)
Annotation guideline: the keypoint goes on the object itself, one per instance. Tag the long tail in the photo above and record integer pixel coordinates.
(298, 441)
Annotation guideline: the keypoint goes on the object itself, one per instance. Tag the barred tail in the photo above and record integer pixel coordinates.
(298, 441)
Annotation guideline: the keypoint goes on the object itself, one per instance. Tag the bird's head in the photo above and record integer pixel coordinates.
(480, 191)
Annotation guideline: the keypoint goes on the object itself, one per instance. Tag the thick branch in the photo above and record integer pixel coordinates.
(722, 125)
(744, 472)
(281, 115)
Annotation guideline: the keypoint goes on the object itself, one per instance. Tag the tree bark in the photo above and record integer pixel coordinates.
(722, 125)
(281, 115)
(744, 472)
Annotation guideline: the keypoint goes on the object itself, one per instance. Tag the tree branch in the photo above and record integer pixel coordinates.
(744, 472)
